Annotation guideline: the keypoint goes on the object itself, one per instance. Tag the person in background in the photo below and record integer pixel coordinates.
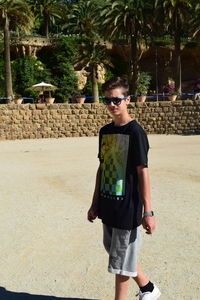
(197, 90)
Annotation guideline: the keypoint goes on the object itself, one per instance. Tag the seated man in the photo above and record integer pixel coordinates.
(197, 90)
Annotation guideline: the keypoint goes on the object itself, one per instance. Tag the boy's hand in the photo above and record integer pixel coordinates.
(92, 213)
(149, 224)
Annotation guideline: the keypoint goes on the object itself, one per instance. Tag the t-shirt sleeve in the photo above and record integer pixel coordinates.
(140, 147)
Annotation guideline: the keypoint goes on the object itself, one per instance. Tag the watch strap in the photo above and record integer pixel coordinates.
(148, 214)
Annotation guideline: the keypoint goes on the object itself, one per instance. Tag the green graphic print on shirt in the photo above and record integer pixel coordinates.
(114, 154)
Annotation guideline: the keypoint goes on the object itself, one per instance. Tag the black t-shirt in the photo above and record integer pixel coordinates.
(121, 150)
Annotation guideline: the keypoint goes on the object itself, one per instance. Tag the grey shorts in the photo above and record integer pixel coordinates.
(122, 247)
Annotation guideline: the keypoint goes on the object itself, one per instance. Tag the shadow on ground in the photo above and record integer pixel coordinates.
(7, 295)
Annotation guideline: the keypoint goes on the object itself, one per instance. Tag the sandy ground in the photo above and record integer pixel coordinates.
(49, 248)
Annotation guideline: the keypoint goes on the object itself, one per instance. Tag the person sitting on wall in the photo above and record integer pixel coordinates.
(40, 99)
(197, 90)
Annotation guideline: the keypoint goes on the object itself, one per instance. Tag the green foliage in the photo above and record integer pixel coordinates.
(18, 13)
(143, 83)
(88, 88)
(67, 48)
(123, 17)
(92, 53)
(60, 60)
(92, 21)
(132, 20)
(82, 19)
(191, 44)
(48, 13)
(162, 42)
(28, 71)
(109, 74)
(66, 81)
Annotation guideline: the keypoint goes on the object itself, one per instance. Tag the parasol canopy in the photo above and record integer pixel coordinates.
(42, 87)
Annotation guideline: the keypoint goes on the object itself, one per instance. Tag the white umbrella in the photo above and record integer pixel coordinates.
(42, 87)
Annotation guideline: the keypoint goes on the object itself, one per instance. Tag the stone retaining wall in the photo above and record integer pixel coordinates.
(26, 121)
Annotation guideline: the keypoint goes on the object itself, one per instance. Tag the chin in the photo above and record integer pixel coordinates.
(114, 112)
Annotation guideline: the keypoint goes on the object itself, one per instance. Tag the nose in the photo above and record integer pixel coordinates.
(111, 104)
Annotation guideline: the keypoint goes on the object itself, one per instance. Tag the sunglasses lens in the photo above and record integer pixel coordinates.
(115, 100)
(107, 101)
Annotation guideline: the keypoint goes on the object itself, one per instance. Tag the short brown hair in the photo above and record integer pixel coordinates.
(117, 82)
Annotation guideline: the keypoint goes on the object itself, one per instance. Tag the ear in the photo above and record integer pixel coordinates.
(128, 99)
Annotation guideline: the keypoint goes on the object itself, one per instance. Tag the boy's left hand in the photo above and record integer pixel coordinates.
(149, 224)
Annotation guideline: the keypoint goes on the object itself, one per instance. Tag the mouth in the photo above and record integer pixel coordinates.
(113, 109)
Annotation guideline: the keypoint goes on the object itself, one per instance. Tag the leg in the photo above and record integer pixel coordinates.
(121, 286)
(148, 290)
(140, 279)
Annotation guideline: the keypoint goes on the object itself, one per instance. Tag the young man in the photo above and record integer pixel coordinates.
(122, 192)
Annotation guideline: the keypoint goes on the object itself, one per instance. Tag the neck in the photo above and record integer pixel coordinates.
(122, 120)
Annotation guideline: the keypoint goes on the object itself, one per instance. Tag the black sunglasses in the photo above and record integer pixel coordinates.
(114, 100)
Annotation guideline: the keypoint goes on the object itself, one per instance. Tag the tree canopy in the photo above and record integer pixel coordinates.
(91, 23)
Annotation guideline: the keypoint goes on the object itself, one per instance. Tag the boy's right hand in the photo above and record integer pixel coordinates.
(92, 213)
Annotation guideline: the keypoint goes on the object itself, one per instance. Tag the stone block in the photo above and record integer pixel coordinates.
(10, 112)
(26, 117)
(3, 106)
(32, 106)
(75, 111)
(95, 105)
(177, 103)
(64, 105)
(188, 102)
(131, 105)
(101, 111)
(165, 103)
(13, 106)
(41, 106)
(165, 109)
(53, 106)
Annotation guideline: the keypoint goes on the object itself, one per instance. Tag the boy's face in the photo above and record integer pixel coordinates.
(117, 110)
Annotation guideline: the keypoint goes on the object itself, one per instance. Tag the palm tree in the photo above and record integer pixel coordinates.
(92, 53)
(13, 14)
(49, 11)
(129, 19)
(81, 19)
(195, 24)
(176, 14)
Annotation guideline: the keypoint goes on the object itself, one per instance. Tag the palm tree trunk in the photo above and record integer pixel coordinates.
(95, 89)
(7, 63)
(134, 60)
(177, 55)
(46, 25)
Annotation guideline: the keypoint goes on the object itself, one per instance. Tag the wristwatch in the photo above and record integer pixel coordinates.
(148, 214)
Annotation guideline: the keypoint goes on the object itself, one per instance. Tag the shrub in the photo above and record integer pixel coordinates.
(143, 83)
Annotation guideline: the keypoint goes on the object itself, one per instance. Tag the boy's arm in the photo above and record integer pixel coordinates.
(93, 211)
(144, 184)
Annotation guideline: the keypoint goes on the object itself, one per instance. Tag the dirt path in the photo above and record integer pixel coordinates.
(47, 246)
